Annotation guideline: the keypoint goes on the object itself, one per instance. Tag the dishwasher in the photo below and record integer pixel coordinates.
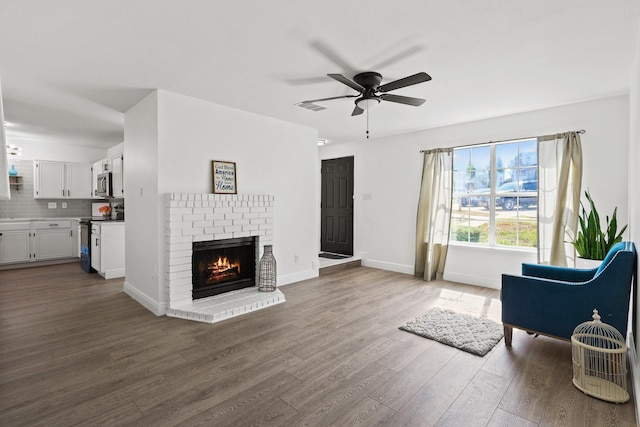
(85, 245)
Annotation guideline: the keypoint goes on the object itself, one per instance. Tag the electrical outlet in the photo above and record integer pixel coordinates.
(64, 205)
(52, 205)
(295, 259)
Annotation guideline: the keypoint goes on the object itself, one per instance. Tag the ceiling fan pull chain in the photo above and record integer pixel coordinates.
(367, 123)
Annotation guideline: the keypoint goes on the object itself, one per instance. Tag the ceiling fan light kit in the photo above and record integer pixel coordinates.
(372, 93)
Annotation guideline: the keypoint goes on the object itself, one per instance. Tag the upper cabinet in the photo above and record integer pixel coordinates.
(115, 165)
(61, 180)
(116, 168)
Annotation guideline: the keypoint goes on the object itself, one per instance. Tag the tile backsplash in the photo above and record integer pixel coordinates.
(23, 205)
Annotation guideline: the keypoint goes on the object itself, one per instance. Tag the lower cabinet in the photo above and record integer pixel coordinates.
(15, 241)
(53, 240)
(38, 241)
(107, 249)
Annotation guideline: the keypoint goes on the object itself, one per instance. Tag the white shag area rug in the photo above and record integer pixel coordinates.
(475, 335)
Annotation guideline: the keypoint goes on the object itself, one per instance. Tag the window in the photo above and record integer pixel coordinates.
(495, 194)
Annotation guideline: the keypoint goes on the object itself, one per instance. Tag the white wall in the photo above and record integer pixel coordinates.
(272, 157)
(142, 205)
(62, 153)
(389, 170)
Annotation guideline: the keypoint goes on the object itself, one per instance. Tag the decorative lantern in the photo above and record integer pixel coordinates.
(599, 356)
(267, 271)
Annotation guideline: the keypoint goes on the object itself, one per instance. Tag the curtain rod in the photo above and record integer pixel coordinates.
(581, 131)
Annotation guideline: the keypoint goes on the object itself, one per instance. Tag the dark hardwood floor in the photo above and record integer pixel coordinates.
(75, 350)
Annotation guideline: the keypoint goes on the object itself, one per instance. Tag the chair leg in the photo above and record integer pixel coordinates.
(508, 333)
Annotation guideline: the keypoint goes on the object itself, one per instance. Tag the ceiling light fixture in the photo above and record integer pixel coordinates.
(367, 103)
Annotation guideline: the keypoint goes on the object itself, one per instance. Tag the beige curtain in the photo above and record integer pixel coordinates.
(559, 186)
(434, 213)
(5, 194)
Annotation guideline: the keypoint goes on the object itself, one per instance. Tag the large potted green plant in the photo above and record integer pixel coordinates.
(592, 242)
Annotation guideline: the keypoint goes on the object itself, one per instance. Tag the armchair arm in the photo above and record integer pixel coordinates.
(552, 272)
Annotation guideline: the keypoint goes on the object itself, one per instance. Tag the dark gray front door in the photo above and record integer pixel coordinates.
(336, 209)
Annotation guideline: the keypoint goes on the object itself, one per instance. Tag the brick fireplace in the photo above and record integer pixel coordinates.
(207, 218)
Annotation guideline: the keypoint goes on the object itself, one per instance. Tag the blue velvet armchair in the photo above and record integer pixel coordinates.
(552, 300)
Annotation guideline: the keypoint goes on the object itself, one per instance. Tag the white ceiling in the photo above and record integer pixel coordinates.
(71, 68)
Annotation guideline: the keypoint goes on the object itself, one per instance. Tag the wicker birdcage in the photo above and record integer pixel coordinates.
(267, 271)
(599, 356)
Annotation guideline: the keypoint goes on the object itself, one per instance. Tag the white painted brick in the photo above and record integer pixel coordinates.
(181, 211)
(240, 222)
(173, 233)
(238, 234)
(241, 209)
(250, 227)
(202, 224)
(214, 216)
(179, 246)
(178, 268)
(190, 203)
(202, 210)
(233, 216)
(223, 209)
(179, 239)
(258, 209)
(214, 230)
(224, 223)
(252, 215)
(175, 225)
(179, 275)
(222, 236)
(192, 217)
(180, 254)
(192, 231)
(257, 221)
(178, 261)
(232, 229)
(203, 238)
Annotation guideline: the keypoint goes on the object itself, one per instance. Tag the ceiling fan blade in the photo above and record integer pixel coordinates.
(407, 81)
(402, 99)
(397, 57)
(357, 111)
(328, 99)
(342, 79)
(332, 55)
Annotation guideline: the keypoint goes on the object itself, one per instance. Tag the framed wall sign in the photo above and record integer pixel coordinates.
(224, 177)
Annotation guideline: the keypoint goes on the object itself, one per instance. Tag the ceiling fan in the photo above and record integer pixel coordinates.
(371, 93)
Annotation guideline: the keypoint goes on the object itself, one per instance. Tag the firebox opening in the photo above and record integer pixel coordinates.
(220, 266)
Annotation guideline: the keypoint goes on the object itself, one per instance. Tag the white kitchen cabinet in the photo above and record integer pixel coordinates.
(15, 242)
(78, 180)
(117, 163)
(53, 239)
(107, 249)
(60, 180)
(31, 241)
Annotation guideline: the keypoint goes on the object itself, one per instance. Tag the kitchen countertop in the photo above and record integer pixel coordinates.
(101, 219)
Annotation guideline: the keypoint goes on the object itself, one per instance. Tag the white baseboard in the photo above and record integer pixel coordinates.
(297, 277)
(113, 274)
(157, 308)
(473, 280)
(389, 266)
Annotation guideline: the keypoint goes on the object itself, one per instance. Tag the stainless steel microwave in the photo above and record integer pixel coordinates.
(104, 186)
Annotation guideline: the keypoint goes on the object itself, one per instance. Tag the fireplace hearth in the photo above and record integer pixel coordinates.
(220, 266)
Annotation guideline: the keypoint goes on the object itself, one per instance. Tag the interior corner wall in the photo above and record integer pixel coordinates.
(388, 172)
(634, 171)
(142, 203)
